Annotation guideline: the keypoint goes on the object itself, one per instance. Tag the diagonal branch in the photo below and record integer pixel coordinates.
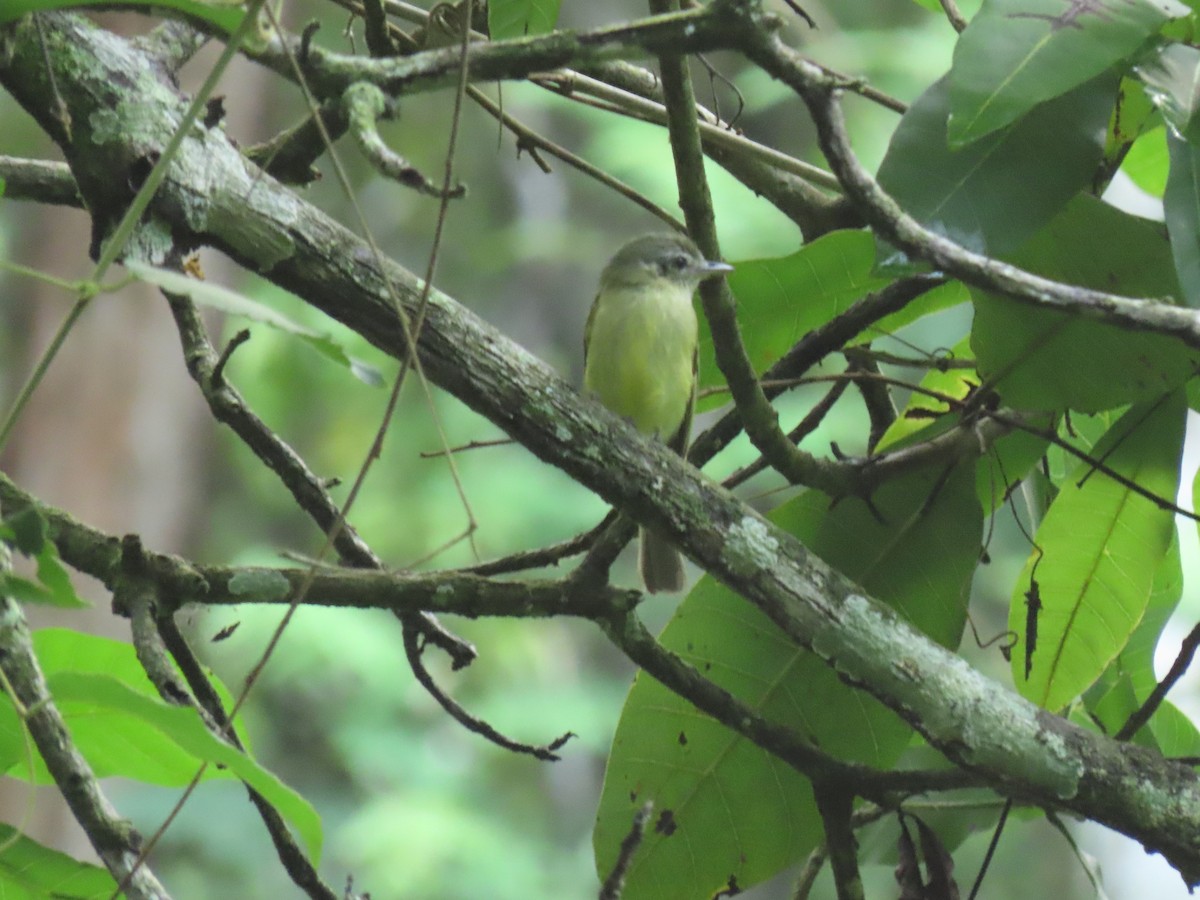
(884, 215)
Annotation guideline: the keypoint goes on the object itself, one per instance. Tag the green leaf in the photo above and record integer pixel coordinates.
(1102, 545)
(1008, 460)
(1147, 162)
(30, 871)
(915, 419)
(1181, 206)
(224, 14)
(1174, 732)
(114, 743)
(217, 297)
(781, 300)
(1016, 54)
(1129, 679)
(27, 530)
(128, 715)
(65, 650)
(736, 812)
(122, 727)
(1172, 79)
(1133, 115)
(993, 194)
(23, 590)
(1137, 659)
(521, 18)
(1110, 702)
(1044, 360)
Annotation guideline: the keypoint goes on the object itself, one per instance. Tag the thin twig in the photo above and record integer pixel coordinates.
(614, 884)
(991, 850)
(1183, 660)
(835, 803)
(413, 650)
(956, 19)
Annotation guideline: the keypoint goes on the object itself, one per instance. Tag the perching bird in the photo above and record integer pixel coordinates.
(640, 358)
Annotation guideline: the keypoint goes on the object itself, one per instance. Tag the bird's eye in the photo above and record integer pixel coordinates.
(677, 263)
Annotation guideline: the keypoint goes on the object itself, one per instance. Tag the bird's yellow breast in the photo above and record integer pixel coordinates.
(641, 348)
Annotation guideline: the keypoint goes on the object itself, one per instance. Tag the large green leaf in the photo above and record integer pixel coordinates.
(1175, 732)
(736, 814)
(924, 417)
(1133, 115)
(1147, 162)
(994, 193)
(1102, 545)
(1016, 54)
(914, 421)
(1181, 205)
(29, 871)
(1040, 359)
(1130, 678)
(781, 300)
(122, 727)
(132, 749)
(93, 703)
(1137, 659)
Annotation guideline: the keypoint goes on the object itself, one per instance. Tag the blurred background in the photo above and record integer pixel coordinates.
(118, 435)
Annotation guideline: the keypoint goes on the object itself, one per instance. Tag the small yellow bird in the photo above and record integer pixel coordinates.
(640, 358)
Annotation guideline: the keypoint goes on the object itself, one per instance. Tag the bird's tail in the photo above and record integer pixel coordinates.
(660, 563)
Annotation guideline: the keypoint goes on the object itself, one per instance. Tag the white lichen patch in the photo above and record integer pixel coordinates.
(750, 537)
(957, 707)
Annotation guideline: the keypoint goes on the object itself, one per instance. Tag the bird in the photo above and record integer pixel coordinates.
(640, 358)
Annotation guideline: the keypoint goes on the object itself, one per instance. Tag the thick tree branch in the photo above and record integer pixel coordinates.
(141, 579)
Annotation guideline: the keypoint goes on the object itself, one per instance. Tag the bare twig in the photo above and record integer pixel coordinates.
(614, 884)
(836, 804)
(956, 19)
(1183, 660)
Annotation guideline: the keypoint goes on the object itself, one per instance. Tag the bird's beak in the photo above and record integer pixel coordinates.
(708, 269)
